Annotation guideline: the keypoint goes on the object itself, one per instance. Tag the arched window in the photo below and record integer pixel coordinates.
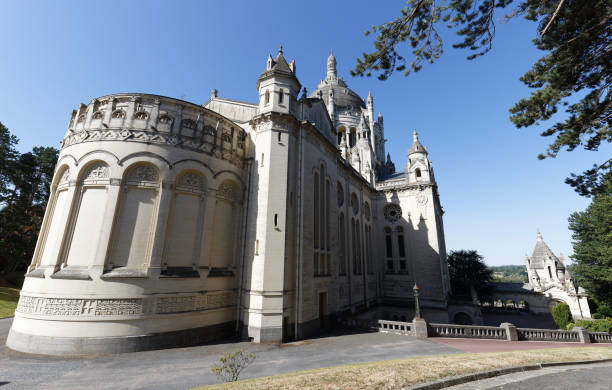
(322, 230)
(418, 172)
(368, 248)
(224, 221)
(131, 244)
(185, 223)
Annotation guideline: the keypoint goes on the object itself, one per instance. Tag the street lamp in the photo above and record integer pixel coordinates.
(417, 309)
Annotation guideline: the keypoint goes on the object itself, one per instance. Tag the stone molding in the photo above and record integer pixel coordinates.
(151, 137)
(112, 307)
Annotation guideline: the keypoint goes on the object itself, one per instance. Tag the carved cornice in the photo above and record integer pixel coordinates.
(150, 137)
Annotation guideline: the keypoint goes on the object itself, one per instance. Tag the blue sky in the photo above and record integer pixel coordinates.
(494, 191)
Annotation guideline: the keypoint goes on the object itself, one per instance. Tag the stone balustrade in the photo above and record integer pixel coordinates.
(466, 331)
(505, 331)
(600, 337)
(566, 336)
(397, 327)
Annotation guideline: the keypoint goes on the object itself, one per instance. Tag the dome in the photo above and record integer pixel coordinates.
(344, 97)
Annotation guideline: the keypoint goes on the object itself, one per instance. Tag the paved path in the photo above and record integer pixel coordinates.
(474, 345)
(585, 377)
(184, 368)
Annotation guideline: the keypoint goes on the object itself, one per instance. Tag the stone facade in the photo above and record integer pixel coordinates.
(548, 276)
(172, 223)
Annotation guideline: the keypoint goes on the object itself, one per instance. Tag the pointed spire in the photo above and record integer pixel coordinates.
(416, 145)
(539, 235)
(280, 50)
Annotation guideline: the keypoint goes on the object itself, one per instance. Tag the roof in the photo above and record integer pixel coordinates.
(541, 253)
(343, 96)
(278, 66)
(416, 147)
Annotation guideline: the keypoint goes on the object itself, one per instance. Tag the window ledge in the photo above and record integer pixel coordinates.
(72, 273)
(125, 273)
(179, 272)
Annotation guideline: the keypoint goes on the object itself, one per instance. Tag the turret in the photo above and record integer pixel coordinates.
(370, 106)
(331, 105)
(418, 168)
(332, 73)
(278, 86)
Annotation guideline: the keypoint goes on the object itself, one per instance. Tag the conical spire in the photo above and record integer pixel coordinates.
(416, 145)
(541, 253)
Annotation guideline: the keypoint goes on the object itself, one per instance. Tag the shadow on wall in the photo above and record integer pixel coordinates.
(413, 259)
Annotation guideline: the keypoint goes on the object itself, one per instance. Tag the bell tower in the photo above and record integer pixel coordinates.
(274, 125)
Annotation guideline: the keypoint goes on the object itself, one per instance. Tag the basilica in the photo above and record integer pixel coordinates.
(172, 223)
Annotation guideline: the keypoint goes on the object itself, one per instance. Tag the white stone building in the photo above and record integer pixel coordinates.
(548, 276)
(171, 223)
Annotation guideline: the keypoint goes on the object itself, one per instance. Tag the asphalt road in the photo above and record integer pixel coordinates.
(584, 377)
(184, 368)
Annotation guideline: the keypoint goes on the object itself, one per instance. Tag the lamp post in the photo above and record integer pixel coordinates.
(417, 309)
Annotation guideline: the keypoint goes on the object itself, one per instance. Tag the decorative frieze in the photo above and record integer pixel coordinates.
(69, 307)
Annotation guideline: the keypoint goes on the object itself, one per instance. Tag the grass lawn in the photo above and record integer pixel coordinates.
(8, 301)
(395, 374)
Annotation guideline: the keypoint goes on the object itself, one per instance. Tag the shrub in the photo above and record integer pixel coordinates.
(562, 315)
(231, 365)
(597, 325)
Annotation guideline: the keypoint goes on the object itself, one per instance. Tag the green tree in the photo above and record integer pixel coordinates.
(592, 235)
(8, 157)
(575, 36)
(26, 181)
(467, 269)
(562, 315)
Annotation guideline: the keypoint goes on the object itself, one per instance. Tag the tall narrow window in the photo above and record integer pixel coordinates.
(368, 245)
(261, 162)
(418, 172)
(400, 242)
(275, 220)
(342, 240)
(549, 272)
(316, 223)
(267, 97)
(389, 249)
(281, 97)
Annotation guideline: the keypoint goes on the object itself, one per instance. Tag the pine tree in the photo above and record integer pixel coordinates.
(575, 36)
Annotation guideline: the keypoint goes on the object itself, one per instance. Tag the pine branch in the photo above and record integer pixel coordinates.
(554, 16)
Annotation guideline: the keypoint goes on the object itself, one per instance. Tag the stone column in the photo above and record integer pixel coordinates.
(511, 333)
(583, 335)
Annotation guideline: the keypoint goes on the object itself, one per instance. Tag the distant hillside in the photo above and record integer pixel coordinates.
(509, 273)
